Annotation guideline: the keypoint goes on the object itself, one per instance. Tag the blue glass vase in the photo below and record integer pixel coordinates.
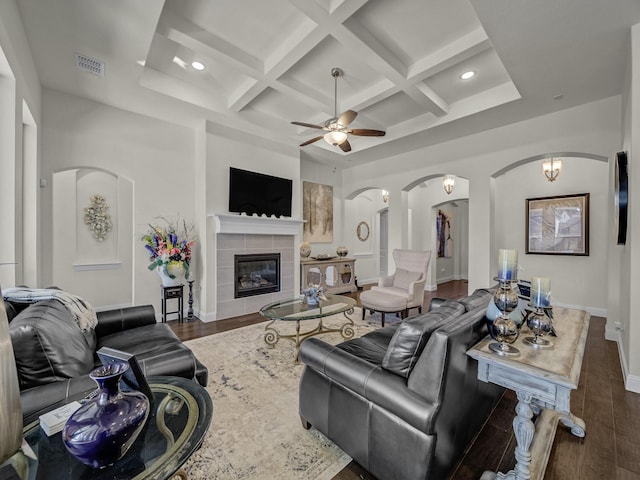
(101, 431)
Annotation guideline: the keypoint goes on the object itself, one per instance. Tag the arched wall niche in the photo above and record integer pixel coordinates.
(83, 264)
(542, 156)
(523, 179)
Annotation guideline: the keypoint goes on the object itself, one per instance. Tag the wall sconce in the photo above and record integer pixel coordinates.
(448, 183)
(551, 168)
(385, 196)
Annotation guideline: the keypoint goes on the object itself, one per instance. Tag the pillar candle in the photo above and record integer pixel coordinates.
(540, 292)
(507, 264)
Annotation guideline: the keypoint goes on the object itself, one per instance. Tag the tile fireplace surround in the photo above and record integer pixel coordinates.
(241, 236)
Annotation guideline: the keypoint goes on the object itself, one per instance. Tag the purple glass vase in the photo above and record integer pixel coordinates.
(101, 431)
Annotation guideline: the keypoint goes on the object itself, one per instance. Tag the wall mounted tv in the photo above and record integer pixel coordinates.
(251, 192)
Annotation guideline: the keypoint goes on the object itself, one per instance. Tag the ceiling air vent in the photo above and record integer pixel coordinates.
(89, 64)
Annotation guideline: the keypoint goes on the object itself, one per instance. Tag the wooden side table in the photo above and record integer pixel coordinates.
(169, 293)
(543, 380)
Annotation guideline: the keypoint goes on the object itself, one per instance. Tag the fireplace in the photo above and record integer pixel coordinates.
(256, 274)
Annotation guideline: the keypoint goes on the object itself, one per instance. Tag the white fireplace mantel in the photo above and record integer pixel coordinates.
(248, 224)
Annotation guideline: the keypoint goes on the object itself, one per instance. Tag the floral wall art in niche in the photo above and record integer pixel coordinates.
(97, 218)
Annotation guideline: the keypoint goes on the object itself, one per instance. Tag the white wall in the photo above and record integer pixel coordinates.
(222, 153)
(424, 204)
(592, 129)
(156, 156)
(574, 279)
(623, 323)
(19, 88)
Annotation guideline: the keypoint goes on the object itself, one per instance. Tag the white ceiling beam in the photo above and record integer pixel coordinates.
(455, 52)
(372, 95)
(189, 35)
(434, 102)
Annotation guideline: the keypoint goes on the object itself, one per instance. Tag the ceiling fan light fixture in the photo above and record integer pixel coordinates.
(335, 137)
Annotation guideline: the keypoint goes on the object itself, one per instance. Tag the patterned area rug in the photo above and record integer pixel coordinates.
(375, 319)
(256, 431)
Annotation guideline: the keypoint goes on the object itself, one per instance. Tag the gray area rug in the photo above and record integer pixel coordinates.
(256, 431)
(375, 319)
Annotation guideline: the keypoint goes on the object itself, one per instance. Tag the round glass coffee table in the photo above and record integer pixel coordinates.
(180, 416)
(297, 310)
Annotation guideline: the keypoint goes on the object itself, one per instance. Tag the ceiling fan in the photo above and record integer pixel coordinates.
(337, 128)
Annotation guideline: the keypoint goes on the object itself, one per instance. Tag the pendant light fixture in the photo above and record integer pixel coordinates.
(552, 168)
(448, 183)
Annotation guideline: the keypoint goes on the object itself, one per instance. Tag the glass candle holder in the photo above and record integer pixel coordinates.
(504, 330)
(540, 324)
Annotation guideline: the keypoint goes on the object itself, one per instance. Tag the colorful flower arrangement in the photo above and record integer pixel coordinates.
(169, 247)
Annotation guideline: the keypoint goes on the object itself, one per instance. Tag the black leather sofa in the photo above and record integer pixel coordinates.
(403, 401)
(54, 357)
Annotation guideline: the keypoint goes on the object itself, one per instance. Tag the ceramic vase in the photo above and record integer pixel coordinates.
(175, 269)
(305, 249)
(101, 431)
(342, 251)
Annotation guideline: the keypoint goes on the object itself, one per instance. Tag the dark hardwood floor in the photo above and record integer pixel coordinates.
(609, 451)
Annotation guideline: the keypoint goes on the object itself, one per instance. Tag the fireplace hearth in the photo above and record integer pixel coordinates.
(256, 274)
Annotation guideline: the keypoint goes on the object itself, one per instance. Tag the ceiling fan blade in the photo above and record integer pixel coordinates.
(315, 139)
(309, 125)
(347, 117)
(345, 146)
(366, 132)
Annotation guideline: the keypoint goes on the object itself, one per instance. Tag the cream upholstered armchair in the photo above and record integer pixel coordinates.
(409, 279)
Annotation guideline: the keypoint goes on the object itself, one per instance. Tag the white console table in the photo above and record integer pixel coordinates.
(341, 280)
(543, 380)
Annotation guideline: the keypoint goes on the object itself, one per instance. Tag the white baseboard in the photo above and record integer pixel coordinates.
(207, 317)
(445, 279)
(631, 382)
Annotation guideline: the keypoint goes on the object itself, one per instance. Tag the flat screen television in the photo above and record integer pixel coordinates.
(252, 192)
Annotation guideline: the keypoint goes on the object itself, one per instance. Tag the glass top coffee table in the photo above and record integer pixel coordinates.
(297, 310)
(180, 415)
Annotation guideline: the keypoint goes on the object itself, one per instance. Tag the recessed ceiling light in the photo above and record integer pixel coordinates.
(197, 65)
(468, 75)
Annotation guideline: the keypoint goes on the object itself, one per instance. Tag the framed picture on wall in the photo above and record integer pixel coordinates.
(558, 225)
(317, 211)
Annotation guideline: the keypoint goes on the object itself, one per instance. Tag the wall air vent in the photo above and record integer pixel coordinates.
(89, 64)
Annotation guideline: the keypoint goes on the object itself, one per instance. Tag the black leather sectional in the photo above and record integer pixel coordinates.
(403, 401)
(54, 357)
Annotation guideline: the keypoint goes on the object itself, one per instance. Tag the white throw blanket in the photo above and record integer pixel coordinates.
(83, 313)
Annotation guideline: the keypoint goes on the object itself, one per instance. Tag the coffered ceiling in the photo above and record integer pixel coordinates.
(268, 63)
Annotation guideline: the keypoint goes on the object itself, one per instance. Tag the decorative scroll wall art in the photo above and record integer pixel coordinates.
(317, 208)
(97, 218)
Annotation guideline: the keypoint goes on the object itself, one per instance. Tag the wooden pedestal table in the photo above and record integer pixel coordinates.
(543, 380)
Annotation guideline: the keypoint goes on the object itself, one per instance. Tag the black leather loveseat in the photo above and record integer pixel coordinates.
(54, 357)
(403, 401)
